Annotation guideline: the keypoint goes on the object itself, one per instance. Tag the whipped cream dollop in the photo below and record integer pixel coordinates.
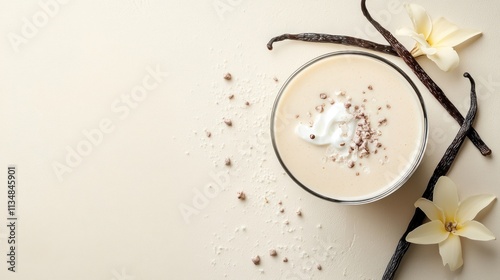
(334, 127)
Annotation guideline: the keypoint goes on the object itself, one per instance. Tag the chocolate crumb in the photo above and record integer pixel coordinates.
(388, 106)
(370, 87)
(299, 212)
(319, 267)
(297, 116)
(231, 96)
(382, 121)
(247, 103)
(228, 122)
(357, 173)
(275, 79)
(273, 253)
(228, 76)
(280, 203)
(323, 96)
(208, 133)
(350, 164)
(285, 259)
(241, 195)
(282, 210)
(227, 162)
(312, 136)
(256, 260)
(342, 144)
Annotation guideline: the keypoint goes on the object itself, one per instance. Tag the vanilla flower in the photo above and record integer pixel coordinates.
(435, 39)
(450, 219)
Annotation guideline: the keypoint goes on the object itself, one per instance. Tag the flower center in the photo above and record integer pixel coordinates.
(450, 226)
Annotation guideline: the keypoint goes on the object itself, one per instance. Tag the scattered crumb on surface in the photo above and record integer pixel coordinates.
(256, 260)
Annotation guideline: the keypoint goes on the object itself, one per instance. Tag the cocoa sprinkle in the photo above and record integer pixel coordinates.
(228, 122)
(241, 195)
(382, 121)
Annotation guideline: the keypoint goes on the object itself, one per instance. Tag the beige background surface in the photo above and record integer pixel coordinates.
(115, 212)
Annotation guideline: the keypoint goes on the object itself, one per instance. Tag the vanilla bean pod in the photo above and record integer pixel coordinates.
(426, 80)
(441, 169)
(335, 39)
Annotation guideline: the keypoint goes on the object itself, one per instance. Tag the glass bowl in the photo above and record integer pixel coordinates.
(363, 80)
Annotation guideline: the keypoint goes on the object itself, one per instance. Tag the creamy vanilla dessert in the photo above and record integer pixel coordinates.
(349, 127)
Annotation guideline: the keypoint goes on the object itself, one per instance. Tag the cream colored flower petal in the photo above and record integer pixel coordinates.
(421, 47)
(429, 51)
(431, 210)
(446, 59)
(412, 34)
(432, 232)
(468, 209)
(421, 21)
(475, 230)
(451, 252)
(440, 29)
(445, 191)
(458, 37)
(447, 34)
